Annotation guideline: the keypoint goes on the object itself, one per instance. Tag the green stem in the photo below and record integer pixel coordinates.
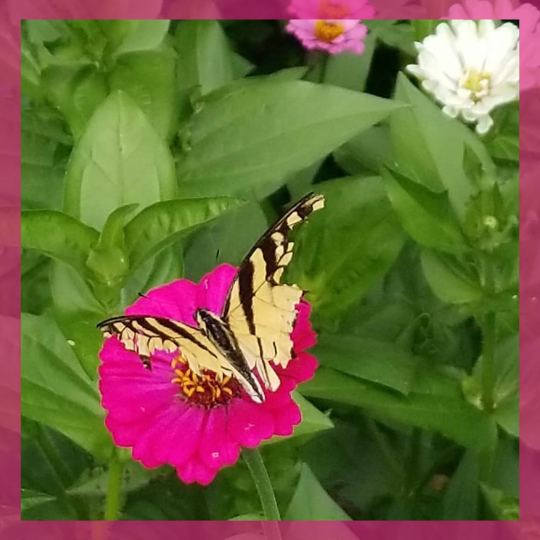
(489, 340)
(324, 67)
(488, 356)
(262, 482)
(114, 490)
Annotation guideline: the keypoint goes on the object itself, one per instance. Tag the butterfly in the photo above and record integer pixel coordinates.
(254, 329)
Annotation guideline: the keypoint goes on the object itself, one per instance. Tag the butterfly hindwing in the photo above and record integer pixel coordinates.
(260, 310)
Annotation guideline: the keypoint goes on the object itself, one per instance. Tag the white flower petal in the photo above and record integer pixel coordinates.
(484, 124)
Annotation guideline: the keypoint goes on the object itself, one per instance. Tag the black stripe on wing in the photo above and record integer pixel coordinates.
(276, 251)
(144, 334)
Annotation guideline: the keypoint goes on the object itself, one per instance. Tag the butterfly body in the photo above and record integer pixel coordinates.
(251, 335)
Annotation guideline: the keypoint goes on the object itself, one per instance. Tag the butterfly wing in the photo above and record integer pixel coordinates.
(145, 334)
(260, 310)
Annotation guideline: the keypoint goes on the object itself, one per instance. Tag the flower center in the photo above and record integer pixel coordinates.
(333, 10)
(477, 82)
(205, 389)
(328, 31)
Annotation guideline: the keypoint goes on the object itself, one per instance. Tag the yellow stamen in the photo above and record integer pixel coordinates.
(328, 31)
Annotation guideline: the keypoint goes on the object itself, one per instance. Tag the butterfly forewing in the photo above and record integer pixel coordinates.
(260, 310)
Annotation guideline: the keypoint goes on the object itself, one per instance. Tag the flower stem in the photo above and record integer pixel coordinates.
(488, 345)
(269, 505)
(114, 490)
(488, 355)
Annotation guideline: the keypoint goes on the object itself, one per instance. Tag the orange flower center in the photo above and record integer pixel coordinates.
(333, 10)
(328, 31)
(205, 389)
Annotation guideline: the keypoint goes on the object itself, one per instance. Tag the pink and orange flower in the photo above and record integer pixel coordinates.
(195, 423)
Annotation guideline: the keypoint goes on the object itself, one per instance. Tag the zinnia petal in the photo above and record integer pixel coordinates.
(147, 411)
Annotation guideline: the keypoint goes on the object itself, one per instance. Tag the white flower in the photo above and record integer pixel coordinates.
(470, 67)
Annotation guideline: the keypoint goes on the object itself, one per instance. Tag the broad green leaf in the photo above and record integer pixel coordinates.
(245, 136)
(77, 90)
(134, 476)
(149, 78)
(112, 234)
(348, 70)
(460, 501)
(313, 420)
(31, 498)
(311, 502)
(423, 28)
(204, 56)
(56, 391)
(226, 239)
(447, 412)
(42, 164)
(162, 224)
(249, 517)
(373, 360)
(79, 329)
(163, 268)
(50, 462)
(146, 34)
(71, 293)
(503, 139)
(58, 236)
(366, 152)
(505, 384)
(119, 160)
(451, 280)
(501, 506)
(347, 246)
(429, 145)
(426, 215)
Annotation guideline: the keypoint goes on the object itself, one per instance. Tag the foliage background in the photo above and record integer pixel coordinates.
(402, 267)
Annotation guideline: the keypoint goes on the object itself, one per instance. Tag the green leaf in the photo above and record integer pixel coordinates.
(31, 498)
(503, 140)
(226, 239)
(451, 280)
(311, 502)
(58, 236)
(460, 501)
(119, 160)
(366, 152)
(424, 28)
(162, 224)
(149, 78)
(79, 329)
(77, 90)
(313, 420)
(350, 70)
(501, 506)
(56, 391)
(505, 385)
(373, 360)
(146, 34)
(113, 230)
(134, 476)
(430, 146)
(426, 215)
(432, 404)
(347, 246)
(204, 56)
(42, 168)
(246, 136)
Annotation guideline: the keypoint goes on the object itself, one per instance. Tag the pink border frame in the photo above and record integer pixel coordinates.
(11, 12)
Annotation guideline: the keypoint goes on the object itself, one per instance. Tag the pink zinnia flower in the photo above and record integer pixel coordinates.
(529, 29)
(331, 9)
(332, 35)
(196, 424)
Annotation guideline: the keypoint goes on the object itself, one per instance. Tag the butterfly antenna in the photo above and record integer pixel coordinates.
(217, 255)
